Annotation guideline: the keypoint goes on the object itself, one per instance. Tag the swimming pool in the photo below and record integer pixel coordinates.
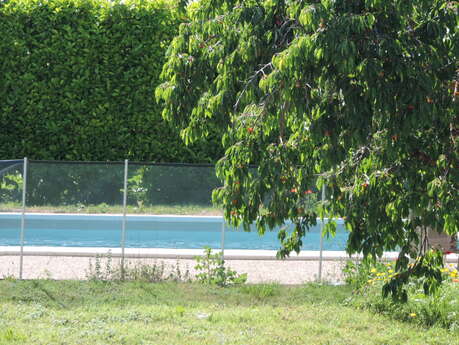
(64, 230)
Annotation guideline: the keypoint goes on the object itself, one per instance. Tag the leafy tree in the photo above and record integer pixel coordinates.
(358, 96)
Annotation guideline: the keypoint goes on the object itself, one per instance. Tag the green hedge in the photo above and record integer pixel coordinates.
(77, 81)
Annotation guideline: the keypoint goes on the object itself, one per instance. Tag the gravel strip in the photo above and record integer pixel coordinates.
(258, 271)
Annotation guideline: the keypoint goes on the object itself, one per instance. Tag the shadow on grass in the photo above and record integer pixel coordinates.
(39, 286)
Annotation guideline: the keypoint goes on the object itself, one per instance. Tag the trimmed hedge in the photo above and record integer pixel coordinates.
(78, 77)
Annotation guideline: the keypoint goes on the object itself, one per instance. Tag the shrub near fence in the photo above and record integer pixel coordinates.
(78, 80)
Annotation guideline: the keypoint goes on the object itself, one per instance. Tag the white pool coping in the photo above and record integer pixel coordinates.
(163, 253)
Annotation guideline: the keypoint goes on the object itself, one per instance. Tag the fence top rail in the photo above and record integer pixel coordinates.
(62, 162)
(12, 161)
(197, 165)
(48, 161)
(7, 165)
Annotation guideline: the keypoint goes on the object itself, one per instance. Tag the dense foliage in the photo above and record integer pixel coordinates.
(78, 77)
(360, 93)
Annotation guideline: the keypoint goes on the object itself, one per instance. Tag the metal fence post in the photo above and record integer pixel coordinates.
(321, 237)
(24, 188)
(123, 223)
(223, 238)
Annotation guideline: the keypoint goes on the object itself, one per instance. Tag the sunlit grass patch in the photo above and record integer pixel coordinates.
(101, 312)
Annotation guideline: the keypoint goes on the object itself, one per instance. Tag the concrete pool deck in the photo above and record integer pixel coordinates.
(164, 253)
(261, 266)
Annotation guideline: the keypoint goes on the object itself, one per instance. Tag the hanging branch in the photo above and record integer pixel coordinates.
(250, 81)
(282, 123)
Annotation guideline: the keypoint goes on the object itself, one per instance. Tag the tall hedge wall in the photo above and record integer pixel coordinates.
(77, 80)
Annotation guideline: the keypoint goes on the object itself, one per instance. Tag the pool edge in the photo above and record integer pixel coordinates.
(162, 253)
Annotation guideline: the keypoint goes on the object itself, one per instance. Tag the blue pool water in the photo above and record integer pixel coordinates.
(146, 232)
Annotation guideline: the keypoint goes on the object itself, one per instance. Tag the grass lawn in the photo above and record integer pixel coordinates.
(78, 312)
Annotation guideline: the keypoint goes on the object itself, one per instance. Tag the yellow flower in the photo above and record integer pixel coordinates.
(381, 274)
(373, 270)
(391, 271)
(443, 270)
(413, 315)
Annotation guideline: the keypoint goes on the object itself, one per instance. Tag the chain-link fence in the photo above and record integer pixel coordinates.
(53, 205)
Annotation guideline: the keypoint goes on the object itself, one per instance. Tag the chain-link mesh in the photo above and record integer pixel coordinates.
(175, 195)
(168, 206)
(239, 239)
(171, 189)
(79, 202)
(11, 185)
(330, 243)
(75, 187)
(11, 182)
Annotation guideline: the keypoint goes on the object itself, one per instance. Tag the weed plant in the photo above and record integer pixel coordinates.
(211, 270)
(441, 308)
(104, 269)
